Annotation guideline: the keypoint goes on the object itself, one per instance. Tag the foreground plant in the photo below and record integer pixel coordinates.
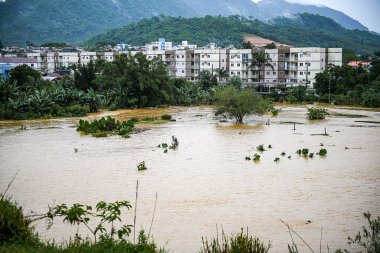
(260, 148)
(322, 152)
(100, 215)
(241, 242)
(369, 238)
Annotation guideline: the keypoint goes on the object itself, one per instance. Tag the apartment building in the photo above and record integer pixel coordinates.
(289, 66)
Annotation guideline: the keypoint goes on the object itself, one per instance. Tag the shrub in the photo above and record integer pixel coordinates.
(316, 113)
(256, 158)
(166, 117)
(14, 226)
(322, 152)
(260, 148)
(141, 166)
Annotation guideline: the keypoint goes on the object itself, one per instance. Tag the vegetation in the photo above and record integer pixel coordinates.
(25, 96)
(261, 148)
(256, 157)
(166, 117)
(227, 31)
(141, 166)
(108, 125)
(350, 86)
(241, 242)
(103, 221)
(369, 239)
(260, 61)
(234, 103)
(316, 113)
(322, 152)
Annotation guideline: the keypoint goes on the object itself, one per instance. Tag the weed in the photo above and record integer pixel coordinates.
(277, 159)
(256, 157)
(283, 153)
(322, 152)
(260, 148)
(141, 166)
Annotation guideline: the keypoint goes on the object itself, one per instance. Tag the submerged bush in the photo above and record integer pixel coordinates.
(100, 128)
(141, 166)
(166, 117)
(260, 148)
(322, 152)
(316, 113)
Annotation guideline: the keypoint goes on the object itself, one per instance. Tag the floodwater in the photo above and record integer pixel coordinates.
(206, 182)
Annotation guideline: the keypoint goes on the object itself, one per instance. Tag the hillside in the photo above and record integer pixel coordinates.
(226, 31)
(72, 21)
(276, 8)
(75, 20)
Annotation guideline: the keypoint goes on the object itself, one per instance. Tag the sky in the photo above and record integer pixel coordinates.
(366, 12)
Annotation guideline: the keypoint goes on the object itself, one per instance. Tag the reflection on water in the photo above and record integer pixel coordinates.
(206, 181)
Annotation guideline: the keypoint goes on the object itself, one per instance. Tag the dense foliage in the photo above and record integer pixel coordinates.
(350, 86)
(237, 104)
(26, 95)
(104, 126)
(316, 113)
(227, 31)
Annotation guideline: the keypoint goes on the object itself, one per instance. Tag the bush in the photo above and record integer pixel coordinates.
(316, 113)
(14, 226)
(166, 117)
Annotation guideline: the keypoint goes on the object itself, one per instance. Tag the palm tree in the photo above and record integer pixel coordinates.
(260, 60)
(221, 74)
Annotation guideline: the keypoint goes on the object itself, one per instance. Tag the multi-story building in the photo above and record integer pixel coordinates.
(288, 66)
(161, 44)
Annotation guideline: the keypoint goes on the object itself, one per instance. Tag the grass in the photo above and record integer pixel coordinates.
(291, 123)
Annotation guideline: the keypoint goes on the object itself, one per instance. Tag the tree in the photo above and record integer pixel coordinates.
(260, 61)
(24, 76)
(207, 80)
(84, 77)
(222, 74)
(270, 46)
(237, 104)
(235, 81)
(247, 45)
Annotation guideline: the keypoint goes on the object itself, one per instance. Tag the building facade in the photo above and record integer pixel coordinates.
(288, 66)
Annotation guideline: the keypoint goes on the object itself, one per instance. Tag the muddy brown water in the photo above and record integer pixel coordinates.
(206, 181)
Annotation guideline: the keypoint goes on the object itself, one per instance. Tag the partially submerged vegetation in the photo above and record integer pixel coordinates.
(172, 146)
(105, 126)
(316, 113)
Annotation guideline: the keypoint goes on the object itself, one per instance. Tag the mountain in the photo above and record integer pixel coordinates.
(72, 21)
(224, 7)
(275, 8)
(302, 30)
(75, 20)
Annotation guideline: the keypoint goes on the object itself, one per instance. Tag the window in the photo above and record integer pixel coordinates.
(301, 73)
(274, 64)
(232, 65)
(238, 64)
(301, 64)
(238, 73)
(208, 64)
(208, 56)
(274, 72)
(301, 55)
(203, 56)
(222, 60)
(281, 56)
(268, 73)
(183, 56)
(183, 71)
(232, 73)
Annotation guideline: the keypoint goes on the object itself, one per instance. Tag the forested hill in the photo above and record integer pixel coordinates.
(304, 30)
(71, 21)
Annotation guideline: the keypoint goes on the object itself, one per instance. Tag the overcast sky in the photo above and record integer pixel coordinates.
(366, 12)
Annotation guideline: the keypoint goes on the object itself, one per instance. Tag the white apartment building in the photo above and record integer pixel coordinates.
(161, 44)
(290, 66)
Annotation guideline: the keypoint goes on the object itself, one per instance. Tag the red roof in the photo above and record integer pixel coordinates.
(17, 60)
(356, 64)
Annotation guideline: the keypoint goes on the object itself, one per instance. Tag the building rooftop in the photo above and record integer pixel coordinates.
(17, 60)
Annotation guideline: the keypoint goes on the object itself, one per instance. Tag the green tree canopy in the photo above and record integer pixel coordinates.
(235, 103)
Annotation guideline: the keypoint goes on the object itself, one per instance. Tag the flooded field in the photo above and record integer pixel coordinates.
(207, 180)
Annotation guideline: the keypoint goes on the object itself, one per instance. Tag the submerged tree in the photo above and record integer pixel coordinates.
(235, 103)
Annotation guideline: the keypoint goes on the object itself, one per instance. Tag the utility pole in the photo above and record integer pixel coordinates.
(329, 86)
